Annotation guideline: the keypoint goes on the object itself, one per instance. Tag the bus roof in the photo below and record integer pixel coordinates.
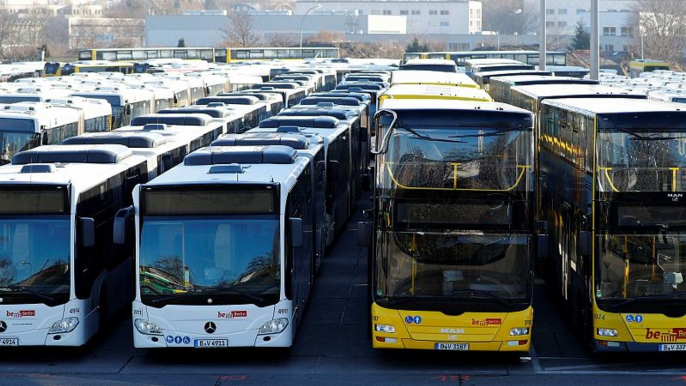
(420, 91)
(618, 106)
(539, 79)
(544, 91)
(447, 104)
(432, 78)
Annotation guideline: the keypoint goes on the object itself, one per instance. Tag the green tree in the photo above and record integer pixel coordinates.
(581, 39)
(415, 46)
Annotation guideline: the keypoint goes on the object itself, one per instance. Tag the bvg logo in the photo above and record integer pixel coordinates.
(667, 336)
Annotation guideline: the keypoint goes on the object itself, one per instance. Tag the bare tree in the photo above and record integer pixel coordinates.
(661, 24)
(240, 31)
(282, 40)
(504, 16)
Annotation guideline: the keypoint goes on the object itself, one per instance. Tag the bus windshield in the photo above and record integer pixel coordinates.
(467, 266)
(232, 259)
(635, 266)
(14, 142)
(34, 259)
(641, 160)
(460, 158)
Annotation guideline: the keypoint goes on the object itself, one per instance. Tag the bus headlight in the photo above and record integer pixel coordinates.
(519, 331)
(611, 332)
(147, 327)
(387, 328)
(64, 325)
(273, 326)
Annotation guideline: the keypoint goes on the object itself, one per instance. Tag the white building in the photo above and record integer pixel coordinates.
(423, 16)
(562, 15)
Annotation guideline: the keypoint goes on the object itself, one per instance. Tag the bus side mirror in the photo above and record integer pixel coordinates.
(296, 225)
(364, 233)
(334, 170)
(128, 109)
(583, 244)
(87, 231)
(121, 225)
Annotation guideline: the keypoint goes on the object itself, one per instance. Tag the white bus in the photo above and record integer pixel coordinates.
(127, 103)
(96, 113)
(225, 250)
(61, 278)
(27, 125)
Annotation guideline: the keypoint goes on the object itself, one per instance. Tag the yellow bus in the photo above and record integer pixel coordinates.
(210, 54)
(64, 69)
(613, 182)
(639, 66)
(432, 91)
(452, 234)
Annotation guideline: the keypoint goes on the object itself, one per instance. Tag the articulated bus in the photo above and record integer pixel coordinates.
(62, 279)
(452, 237)
(460, 58)
(613, 182)
(210, 54)
(224, 250)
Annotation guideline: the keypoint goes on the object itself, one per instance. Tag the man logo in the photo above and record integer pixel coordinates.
(3, 326)
(210, 327)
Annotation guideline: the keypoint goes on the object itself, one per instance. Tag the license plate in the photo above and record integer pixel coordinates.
(211, 343)
(452, 346)
(673, 347)
(9, 342)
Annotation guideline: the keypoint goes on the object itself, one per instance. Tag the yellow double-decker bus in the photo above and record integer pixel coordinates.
(452, 235)
(613, 188)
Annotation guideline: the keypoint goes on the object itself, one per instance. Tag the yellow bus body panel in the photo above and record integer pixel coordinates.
(640, 327)
(423, 330)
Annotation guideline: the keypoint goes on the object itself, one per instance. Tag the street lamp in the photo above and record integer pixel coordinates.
(303, 21)
(502, 18)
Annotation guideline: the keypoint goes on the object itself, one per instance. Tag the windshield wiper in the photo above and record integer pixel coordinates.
(24, 288)
(232, 291)
(489, 294)
(676, 295)
(489, 134)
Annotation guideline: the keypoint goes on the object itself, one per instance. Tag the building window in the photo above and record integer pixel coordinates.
(433, 12)
(579, 11)
(562, 11)
(627, 31)
(445, 24)
(609, 47)
(376, 12)
(550, 24)
(433, 23)
(445, 12)
(386, 12)
(458, 46)
(549, 11)
(404, 12)
(609, 31)
(416, 12)
(562, 24)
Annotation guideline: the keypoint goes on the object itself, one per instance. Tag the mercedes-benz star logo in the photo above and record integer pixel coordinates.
(210, 327)
(3, 326)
